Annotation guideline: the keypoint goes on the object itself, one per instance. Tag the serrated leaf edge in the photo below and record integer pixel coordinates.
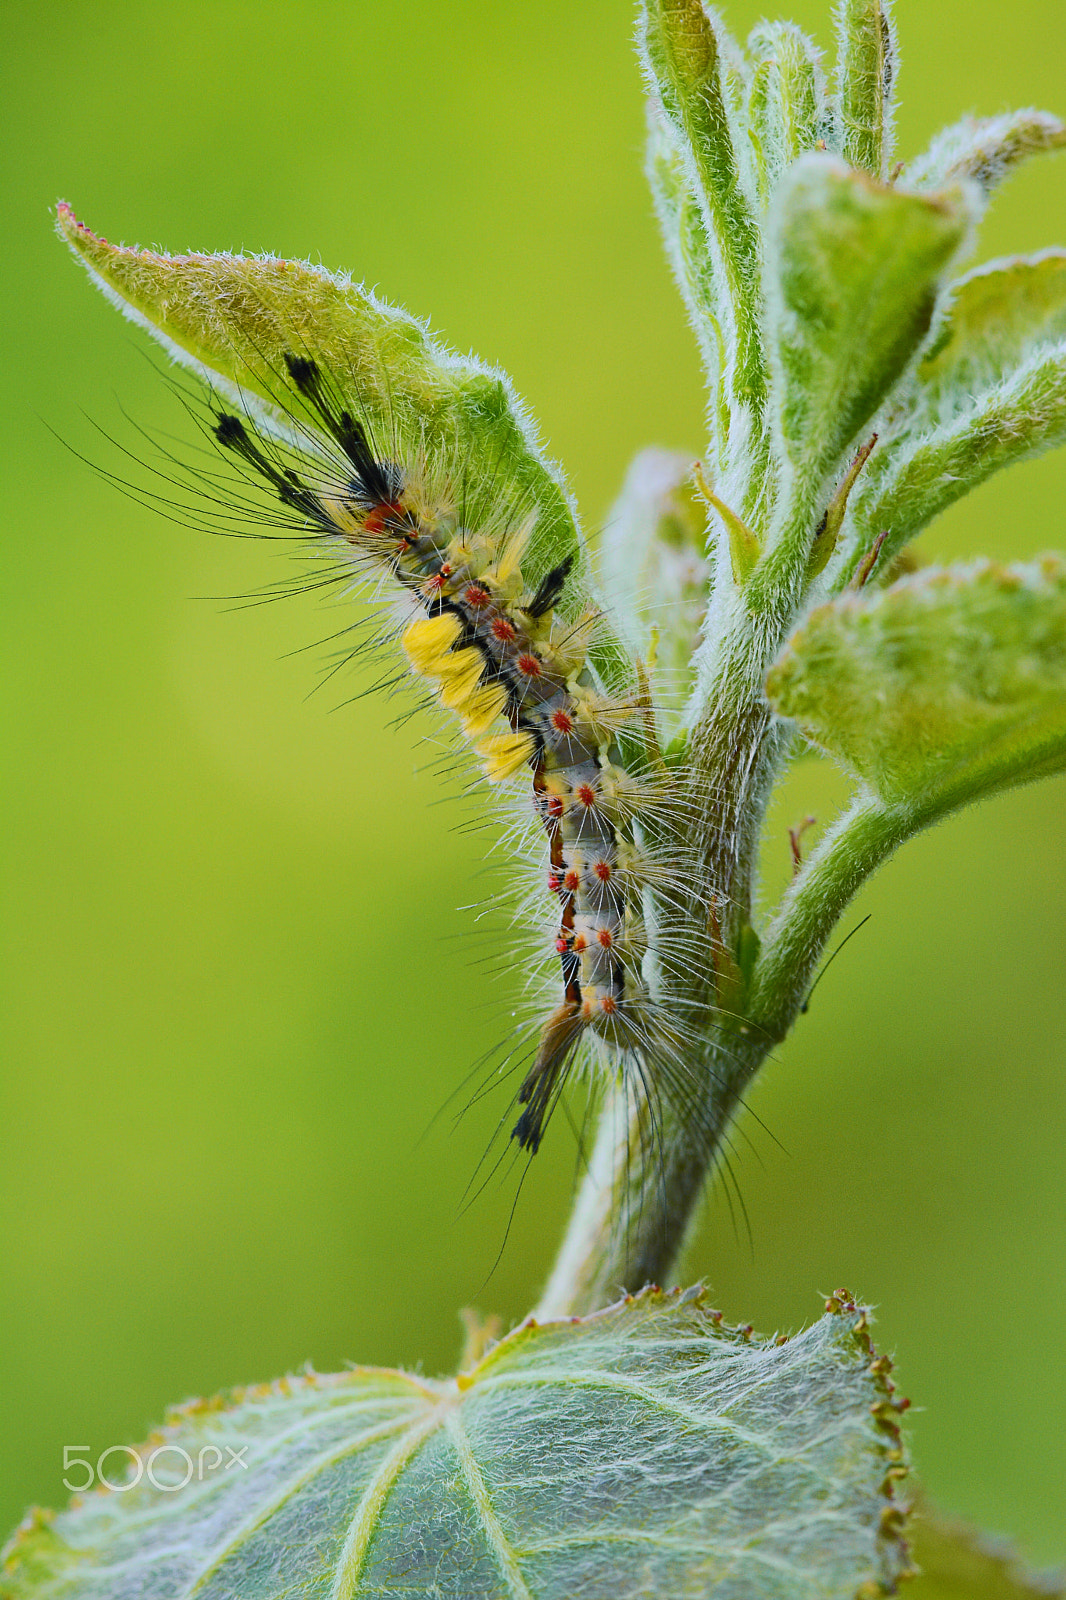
(444, 1397)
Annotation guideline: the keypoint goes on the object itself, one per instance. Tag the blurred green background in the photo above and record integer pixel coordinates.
(237, 984)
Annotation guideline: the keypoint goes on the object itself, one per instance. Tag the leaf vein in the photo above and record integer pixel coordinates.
(262, 1514)
(372, 1503)
(504, 1552)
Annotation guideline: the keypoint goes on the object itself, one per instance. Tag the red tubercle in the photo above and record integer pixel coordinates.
(572, 881)
(503, 630)
(437, 580)
(608, 1004)
(604, 937)
(587, 795)
(562, 945)
(529, 665)
(602, 870)
(562, 722)
(580, 942)
(378, 516)
(555, 806)
(555, 883)
(476, 597)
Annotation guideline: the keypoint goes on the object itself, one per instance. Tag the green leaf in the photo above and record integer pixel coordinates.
(237, 320)
(989, 393)
(955, 1563)
(925, 472)
(854, 273)
(945, 687)
(857, 268)
(866, 72)
(787, 107)
(691, 63)
(645, 1450)
(695, 266)
(998, 314)
(984, 149)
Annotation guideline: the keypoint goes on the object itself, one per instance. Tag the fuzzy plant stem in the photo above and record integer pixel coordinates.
(640, 1192)
(861, 839)
(647, 1171)
(632, 1215)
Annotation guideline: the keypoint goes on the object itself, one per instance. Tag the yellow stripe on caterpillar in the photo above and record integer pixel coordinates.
(427, 640)
(504, 754)
(460, 674)
(482, 709)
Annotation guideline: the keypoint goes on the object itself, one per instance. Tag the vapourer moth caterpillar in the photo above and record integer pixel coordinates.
(416, 474)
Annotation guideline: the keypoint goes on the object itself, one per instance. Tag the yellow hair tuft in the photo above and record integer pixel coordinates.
(482, 709)
(509, 561)
(504, 754)
(460, 674)
(568, 643)
(428, 640)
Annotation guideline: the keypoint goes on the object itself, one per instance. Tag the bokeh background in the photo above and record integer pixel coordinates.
(238, 985)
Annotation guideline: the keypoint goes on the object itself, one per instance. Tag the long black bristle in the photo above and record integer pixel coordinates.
(231, 432)
(378, 482)
(549, 589)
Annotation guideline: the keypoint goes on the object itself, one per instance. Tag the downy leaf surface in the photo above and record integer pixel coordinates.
(643, 1451)
(237, 320)
(989, 393)
(945, 687)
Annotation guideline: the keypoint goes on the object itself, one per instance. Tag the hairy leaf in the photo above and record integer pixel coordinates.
(984, 149)
(856, 270)
(690, 61)
(988, 393)
(998, 314)
(645, 1451)
(947, 686)
(239, 321)
(866, 72)
(924, 472)
(696, 266)
(787, 106)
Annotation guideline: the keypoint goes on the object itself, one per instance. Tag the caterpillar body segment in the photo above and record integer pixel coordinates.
(517, 673)
(491, 655)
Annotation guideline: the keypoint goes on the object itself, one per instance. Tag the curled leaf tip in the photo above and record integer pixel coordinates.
(71, 228)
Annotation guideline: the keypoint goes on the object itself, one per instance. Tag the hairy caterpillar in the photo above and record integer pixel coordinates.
(386, 494)
(497, 652)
